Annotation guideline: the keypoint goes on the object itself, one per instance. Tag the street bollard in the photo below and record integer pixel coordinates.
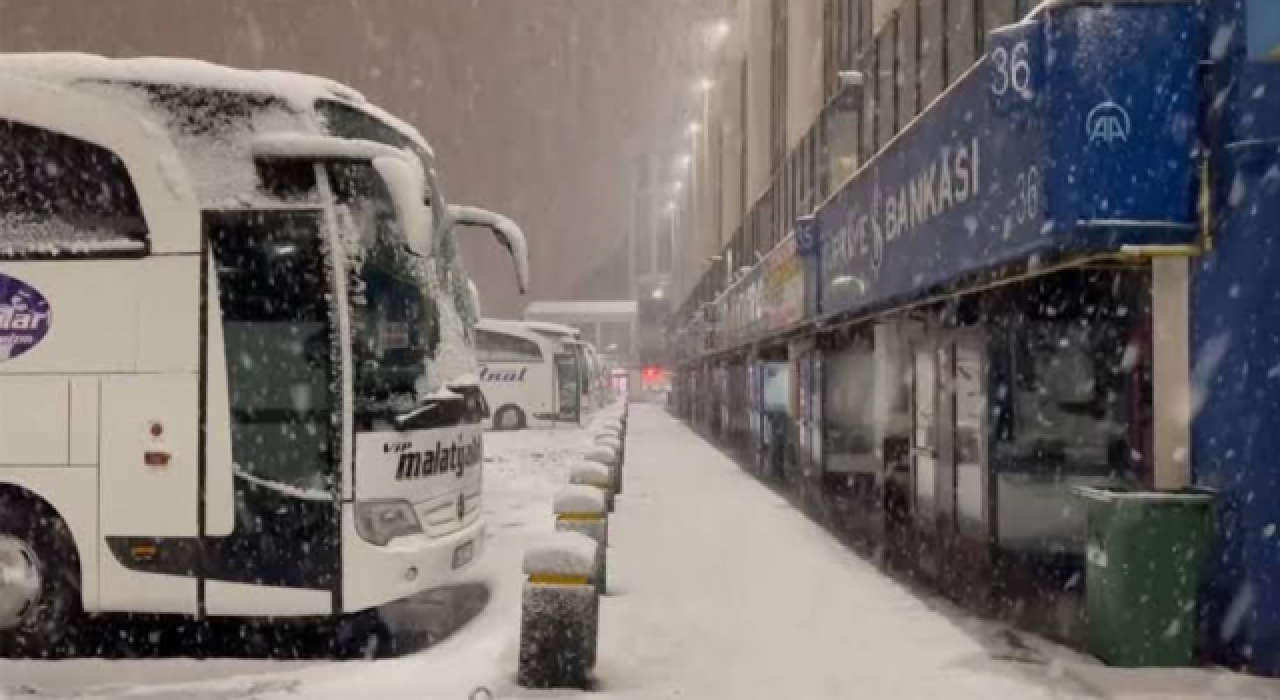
(560, 613)
(609, 440)
(616, 444)
(581, 508)
(594, 474)
(608, 456)
(620, 434)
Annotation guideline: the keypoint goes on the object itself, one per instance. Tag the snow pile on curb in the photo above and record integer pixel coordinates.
(579, 498)
(590, 473)
(602, 454)
(563, 553)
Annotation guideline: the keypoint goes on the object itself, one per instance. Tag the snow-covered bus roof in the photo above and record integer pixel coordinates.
(214, 145)
(581, 308)
(553, 328)
(299, 90)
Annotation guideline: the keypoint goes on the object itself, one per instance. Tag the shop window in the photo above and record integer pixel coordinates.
(777, 388)
(1075, 388)
(848, 409)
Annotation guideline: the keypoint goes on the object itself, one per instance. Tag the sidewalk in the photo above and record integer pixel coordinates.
(719, 590)
(722, 590)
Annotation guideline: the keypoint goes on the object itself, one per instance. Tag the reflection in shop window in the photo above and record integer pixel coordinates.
(849, 409)
(1071, 397)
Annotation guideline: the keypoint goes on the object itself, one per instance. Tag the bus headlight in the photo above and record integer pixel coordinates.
(379, 522)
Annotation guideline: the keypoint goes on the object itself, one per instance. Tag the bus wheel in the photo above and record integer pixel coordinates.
(38, 580)
(509, 418)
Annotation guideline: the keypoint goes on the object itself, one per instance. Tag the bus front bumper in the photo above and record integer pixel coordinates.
(373, 576)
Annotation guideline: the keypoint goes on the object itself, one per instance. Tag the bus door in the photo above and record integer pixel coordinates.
(568, 392)
(272, 452)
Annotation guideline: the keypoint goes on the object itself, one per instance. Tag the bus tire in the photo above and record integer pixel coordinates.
(509, 417)
(33, 533)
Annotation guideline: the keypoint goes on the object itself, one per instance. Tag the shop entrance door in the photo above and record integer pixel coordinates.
(949, 438)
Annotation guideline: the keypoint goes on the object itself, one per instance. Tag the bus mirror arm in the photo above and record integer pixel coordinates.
(505, 230)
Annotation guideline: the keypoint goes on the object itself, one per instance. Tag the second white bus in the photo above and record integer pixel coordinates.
(527, 378)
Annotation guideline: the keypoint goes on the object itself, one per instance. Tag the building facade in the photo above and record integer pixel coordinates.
(966, 256)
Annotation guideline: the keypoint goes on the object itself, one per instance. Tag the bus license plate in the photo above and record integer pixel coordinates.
(463, 554)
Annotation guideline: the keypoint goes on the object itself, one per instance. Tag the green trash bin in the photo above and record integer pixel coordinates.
(1144, 552)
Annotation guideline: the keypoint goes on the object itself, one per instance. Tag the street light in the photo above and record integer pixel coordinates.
(658, 293)
(717, 33)
(694, 128)
(705, 85)
(676, 187)
(683, 161)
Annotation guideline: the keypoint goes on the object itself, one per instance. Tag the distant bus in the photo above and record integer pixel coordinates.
(569, 339)
(525, 375)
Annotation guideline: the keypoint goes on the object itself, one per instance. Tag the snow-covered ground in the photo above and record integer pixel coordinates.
(719, 591)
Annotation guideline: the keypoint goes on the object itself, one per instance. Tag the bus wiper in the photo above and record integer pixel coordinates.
(432, 401)
(404, 420)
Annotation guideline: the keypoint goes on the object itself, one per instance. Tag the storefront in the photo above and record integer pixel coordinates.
(986, 288)
(1042, 282)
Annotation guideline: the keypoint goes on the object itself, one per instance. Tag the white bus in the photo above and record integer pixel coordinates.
(225, 370)
(527, 378)
(569, 339)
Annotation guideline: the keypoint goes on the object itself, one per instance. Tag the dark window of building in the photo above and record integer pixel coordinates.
(886, 80)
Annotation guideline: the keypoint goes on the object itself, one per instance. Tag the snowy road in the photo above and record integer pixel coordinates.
(720, 591)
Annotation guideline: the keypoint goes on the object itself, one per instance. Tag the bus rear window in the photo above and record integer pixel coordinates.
(60, 195)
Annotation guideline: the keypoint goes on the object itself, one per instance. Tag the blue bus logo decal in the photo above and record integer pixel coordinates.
(25, 318)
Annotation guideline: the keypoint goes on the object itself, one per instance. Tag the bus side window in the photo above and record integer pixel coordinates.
(56, 190)
(500, 347)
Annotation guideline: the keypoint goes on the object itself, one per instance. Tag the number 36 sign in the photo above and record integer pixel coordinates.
(1015, 65)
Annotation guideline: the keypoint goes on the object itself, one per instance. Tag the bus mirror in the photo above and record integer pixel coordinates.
(405, 182)
(506, 231)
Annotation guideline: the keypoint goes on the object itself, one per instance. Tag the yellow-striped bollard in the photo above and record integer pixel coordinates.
(581, 508)
(610, 456)
(595, 474)
(560, 613)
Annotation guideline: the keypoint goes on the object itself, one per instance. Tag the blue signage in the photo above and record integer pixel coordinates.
(1070, 136)
(25, 318)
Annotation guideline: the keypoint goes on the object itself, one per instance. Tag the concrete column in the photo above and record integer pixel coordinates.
(1171, 373)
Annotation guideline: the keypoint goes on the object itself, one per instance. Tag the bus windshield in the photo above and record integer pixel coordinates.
(395, 322)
